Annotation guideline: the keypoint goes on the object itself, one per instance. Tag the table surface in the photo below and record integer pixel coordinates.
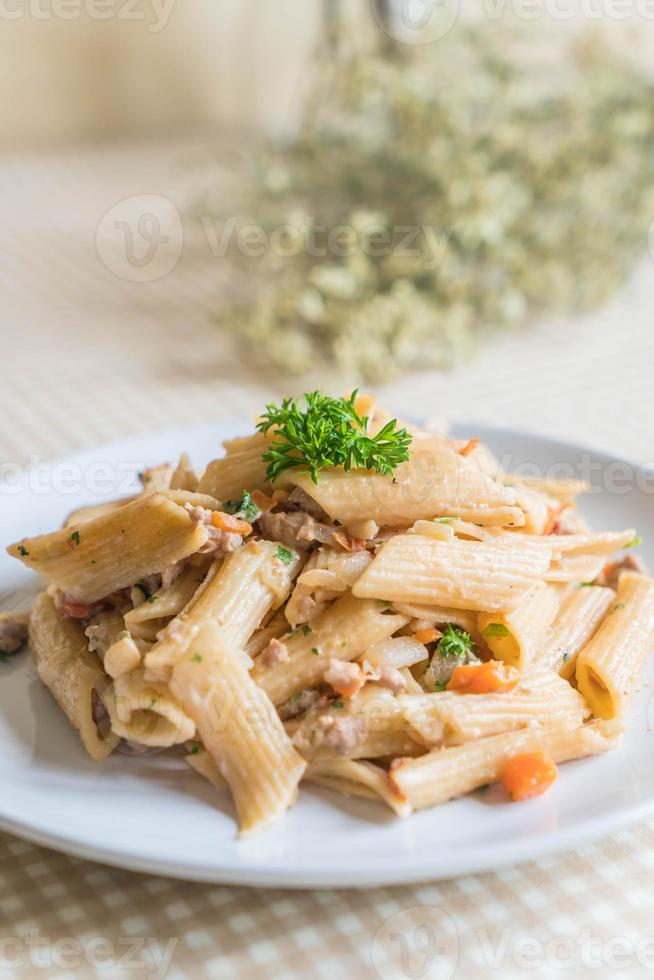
(89, 356)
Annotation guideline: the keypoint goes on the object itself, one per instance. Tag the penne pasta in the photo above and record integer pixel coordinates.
(446, 773)
(466, 574)
(436, 481)
(239, 728)
(581, 612)
(343, 632)
(114, 551)
(515, 635)
(609, 666)
(73, 675)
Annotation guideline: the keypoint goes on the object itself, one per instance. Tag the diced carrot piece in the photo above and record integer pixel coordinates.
(469, 447)
(427, 635)
(348, 542)
(226, 522)
(492, 677)
(528, 774)
(261, 499)
(76, 610)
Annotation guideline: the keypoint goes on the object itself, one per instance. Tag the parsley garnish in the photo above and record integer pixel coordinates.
(586, 585)
(384, 603)
(444, 520)
(456, 643)
(338, 704)
(618, 605)
(285, 555)
(75, 538)
(246, 507)
(634, 544)
(195, 748)
(440, 685)
(152, 703)
(566, 657)
(306, 629)
(151, 598)
(197, 657)
(329, 432)
(23, 551)
(315, 651)
(496, 629)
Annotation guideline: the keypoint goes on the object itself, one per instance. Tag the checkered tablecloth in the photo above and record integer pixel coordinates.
(88, 356)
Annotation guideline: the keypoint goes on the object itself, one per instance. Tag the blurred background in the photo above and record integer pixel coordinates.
(208, 203)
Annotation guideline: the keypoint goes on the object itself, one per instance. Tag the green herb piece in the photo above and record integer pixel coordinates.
(496, 629)
(295, 696)
(285, 555)
(306, 629)
(444, 520)
(384, 603)
(144, 590)
(195, 748)
(245, 507)
(197, 657)
(343, 643)
(586, 585)
(618, 605)
(23, 551)
(75, 538)
(440, 685)
(634, 544)
(151, 598)
(566, 657)
(315, 651)
(329, 432)
(152, 703)
(456, 643)
(338, 704)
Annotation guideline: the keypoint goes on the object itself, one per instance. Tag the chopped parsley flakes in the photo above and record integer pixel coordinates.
(197, 657)
(23, 551)
(456, 643)
(245, 507)
(285, 555)
(496, 629)
(75, 538)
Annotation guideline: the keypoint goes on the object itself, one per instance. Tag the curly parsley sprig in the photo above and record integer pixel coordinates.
(329, 432)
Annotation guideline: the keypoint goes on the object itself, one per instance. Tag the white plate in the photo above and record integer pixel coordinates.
(153, 814)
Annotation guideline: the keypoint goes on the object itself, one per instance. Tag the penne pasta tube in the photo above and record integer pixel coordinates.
(239, 728)
(114, 551)
(343, 632)
(356, 779)
(446, 773)
(236, 595)
(241, 469)
(515, 635)
(146, 712)
(435, 481)
(72, 674)
(449, 718)
(581, 612)
(466, 574)
(609, 666)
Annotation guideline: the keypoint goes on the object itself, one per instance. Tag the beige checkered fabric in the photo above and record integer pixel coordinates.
(89, 356)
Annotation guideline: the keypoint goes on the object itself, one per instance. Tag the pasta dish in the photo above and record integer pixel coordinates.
(343, 599)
